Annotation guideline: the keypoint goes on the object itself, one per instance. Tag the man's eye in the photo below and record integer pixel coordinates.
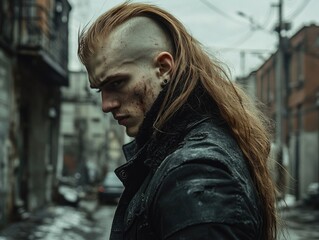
(116, 84)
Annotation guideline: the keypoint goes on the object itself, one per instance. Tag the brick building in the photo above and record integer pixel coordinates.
(300, 105)
(34, 59)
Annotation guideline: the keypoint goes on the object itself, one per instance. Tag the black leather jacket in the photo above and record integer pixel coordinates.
(201, 189)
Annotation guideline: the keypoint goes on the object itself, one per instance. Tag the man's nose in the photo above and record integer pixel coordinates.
(109, 102)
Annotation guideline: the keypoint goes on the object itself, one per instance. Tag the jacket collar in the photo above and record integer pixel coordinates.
(147, 151)
(134, 167)
(129, 150)
(147, 156)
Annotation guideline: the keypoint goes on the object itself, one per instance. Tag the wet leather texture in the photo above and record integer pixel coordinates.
(202, 190)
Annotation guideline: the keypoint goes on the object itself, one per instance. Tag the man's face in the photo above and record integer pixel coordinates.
(128, 85)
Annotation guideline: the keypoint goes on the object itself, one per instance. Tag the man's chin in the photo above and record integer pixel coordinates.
(131, 132)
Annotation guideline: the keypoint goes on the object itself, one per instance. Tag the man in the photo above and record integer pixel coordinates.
(198, 166)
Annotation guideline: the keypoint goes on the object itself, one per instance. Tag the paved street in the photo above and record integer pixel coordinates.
(300, 223)
(91, 221)
(103, 218)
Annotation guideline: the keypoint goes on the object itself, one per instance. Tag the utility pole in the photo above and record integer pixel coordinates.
(279, 73)
(279, 78)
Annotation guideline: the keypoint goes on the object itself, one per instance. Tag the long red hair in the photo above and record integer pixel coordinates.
(194, 66)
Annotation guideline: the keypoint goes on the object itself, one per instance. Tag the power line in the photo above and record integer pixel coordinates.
(299, 9)
(249, 34)
(254, 25)
(241, 37)
(220, 12)
(268, 17)
(248, 50)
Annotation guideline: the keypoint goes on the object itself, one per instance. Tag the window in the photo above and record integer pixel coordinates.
(300, 68)
(317, 42)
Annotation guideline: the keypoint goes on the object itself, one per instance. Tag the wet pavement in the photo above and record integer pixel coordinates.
(92, 221)
(57, 222)
(300, 223)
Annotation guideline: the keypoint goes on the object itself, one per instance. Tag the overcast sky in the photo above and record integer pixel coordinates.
(242, 43)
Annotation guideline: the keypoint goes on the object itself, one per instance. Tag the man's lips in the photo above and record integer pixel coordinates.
(122, 120)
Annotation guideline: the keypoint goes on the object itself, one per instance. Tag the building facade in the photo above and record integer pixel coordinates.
(248, 83)
(7, 151)
(92, 140)
(300, 106)
(302, 126)
(33, 56)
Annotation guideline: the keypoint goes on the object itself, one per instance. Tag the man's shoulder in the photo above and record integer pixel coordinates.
(202, 168)
(210, 131)
(211, 145)
(207, 141)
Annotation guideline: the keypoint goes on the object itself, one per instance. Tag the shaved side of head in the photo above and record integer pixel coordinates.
(139, 36)
(138, 39)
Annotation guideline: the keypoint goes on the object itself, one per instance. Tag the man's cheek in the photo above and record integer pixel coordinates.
(140, 96)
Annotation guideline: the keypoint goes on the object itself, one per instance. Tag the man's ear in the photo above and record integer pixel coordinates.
(165, 64)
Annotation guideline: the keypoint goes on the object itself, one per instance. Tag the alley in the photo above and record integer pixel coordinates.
(93, 221)
(300, 223)
(89, 221)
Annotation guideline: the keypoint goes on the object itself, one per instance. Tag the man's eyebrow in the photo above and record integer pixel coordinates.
(98, 84)
(106, 80)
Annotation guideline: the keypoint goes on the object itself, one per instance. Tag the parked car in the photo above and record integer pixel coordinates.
(67, 192)
(312, 197)
(111, 189)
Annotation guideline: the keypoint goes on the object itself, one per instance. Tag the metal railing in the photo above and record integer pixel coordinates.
(44, 30)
